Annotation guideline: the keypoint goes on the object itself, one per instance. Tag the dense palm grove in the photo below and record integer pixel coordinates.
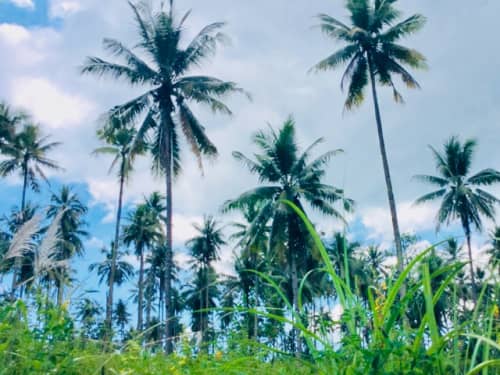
(350, 305)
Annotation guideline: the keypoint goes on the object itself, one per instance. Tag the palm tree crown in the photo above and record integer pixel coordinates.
(462, 195)
(205, 246)
(372, 47)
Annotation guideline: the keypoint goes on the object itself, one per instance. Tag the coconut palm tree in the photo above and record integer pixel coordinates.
(205, 248)
(169, 88)
(27, 154)
(462, 195)
(200, 295)
(10, 120)
(206, 245)
(124, 271)
(373, 55)
(122, 316)
(88, 311)
(252, 243)
(494, 250)
(288, 174)
(143, 231)
(121, 145)
(71, 232)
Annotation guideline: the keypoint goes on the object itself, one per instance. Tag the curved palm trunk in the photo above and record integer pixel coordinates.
(387, 174)
(141, 293)
(471, 266)
(18, 260)
(114, 254)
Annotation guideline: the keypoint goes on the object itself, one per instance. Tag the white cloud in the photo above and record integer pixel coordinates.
(23, 3)
(412, 218)
(13, 34)
(49, 103)
(64, 8)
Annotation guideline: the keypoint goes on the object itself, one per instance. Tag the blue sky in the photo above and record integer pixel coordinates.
(43, 45)
(38, 16)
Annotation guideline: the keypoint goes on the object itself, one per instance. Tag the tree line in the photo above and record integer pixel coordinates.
(273, 245)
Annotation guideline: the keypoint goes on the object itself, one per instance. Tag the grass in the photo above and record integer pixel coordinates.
(373, 336)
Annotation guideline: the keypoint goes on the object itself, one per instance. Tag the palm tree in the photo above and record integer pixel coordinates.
(292, 176)
(122, 146)
(143, 231)
(252, 242)
(204, 249)
(27, 154)
(494, 250)
(372, 53)
(462, 196)
(200, 296)
(88, 311)
(10, 120)
(169, 89)
(124, 271)
(70, 232)
(122, 316)
(374, 259)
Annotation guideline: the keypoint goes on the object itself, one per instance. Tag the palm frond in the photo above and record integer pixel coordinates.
(487, 176)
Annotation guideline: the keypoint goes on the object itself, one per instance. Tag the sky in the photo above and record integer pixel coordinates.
(273, 45)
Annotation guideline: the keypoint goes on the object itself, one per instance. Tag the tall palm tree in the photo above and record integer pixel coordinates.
(289, 175)
(143, 231)
(461, 194)
(71, 232)
(205, 248)
(168, 90)
(373, 54)
(121, 144)
(27, 154)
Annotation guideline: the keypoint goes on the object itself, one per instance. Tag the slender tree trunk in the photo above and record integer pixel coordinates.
(18, 260)
(60, 291)
(387, 175)
(292, 259)
(206, 313)
(255, 316)
(471, 266)
(168, 255)
(141, 292)
(114, 255)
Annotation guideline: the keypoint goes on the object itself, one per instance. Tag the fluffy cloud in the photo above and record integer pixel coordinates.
(412, 218)
(12, 34)
(50, 104)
